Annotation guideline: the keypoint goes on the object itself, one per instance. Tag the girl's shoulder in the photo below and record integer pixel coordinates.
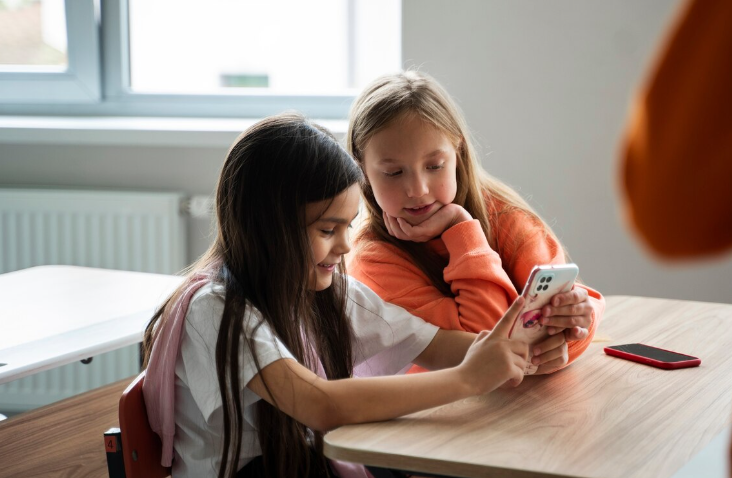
(207, 306)
(506, 216)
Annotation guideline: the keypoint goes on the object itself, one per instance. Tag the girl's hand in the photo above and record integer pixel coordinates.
(551, 354)
(569, 312)
(446, 217)
(493, 359)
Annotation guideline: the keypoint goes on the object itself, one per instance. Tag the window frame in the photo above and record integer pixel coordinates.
(99, 41)
(79, 83)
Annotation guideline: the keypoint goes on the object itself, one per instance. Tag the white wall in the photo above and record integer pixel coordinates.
(545, 86)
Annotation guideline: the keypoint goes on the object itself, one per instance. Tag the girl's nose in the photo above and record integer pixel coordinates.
(343, 246)
(417, 186)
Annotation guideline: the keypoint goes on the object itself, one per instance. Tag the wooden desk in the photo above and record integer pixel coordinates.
(54, 315)
(600, 417)
(63, 439)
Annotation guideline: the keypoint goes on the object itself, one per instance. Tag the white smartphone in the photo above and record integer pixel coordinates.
(544, 283)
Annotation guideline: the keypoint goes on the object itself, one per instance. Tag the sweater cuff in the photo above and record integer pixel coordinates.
(465, 237)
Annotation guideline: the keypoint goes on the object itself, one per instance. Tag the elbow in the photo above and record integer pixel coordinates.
(326, 416)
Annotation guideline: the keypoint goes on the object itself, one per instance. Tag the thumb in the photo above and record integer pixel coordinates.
(503, 327)
(406, 227)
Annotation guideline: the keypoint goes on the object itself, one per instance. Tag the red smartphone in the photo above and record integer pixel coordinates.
(653, 356)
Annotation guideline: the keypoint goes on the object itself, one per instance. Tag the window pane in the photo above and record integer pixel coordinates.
(289, 47)
(32, 34)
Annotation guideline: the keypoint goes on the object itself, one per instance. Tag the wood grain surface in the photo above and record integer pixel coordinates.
(63, 439)
(600, 417)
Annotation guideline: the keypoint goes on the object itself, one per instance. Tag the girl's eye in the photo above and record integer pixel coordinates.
(328, 232)
(436, 167)
(392, 174)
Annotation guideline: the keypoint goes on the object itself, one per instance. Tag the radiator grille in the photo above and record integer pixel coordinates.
(136, 231)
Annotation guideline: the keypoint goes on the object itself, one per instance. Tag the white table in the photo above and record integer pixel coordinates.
(54, 315)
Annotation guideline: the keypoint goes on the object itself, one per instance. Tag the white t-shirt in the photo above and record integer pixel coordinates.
(386, 340)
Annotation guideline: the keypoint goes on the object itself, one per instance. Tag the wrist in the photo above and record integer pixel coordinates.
(461, 215)
(465, 383)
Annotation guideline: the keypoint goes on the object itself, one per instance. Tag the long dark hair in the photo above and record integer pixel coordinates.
(262, 256)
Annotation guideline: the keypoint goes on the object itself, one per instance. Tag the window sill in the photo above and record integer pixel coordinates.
(132, 131)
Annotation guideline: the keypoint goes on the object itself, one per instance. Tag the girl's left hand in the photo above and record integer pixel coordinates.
(569, 312)
(550, 354)
(446, 217)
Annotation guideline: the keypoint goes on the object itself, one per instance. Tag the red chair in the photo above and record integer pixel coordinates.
(141, 447)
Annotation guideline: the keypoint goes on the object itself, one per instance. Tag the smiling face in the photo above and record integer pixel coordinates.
(411, 165)
(328, 225)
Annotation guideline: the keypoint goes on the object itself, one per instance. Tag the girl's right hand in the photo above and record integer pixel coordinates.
(446, 217)
(493, 359)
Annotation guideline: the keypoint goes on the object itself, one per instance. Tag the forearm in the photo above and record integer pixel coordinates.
(481, 288)
(326, 404)
(447, 349)
(382, 398)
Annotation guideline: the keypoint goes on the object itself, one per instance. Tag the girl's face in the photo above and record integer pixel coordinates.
(328, 225)
(410, 165)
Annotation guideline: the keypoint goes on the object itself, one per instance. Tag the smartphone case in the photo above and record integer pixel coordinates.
(691, 362)
(544, 283)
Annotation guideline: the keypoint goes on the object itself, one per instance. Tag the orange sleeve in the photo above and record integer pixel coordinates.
(481, 287)
(677, 152)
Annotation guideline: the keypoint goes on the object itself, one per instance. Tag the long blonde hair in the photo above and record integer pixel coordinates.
(391, 97)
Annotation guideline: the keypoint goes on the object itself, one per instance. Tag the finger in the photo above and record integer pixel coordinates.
(503, 327)
(567, 322)
(550, 367)
(483, 334)
(580, 308)
(407, 229)
(549, 344)
(415, 233)
(395, 228)
(576, 333)
(516, 376)
(387, 224)
(550, 355)
(576, 295)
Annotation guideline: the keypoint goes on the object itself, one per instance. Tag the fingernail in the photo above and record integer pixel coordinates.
(537, 351)
(535, 360)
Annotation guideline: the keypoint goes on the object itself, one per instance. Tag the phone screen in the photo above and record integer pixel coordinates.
(652, 353)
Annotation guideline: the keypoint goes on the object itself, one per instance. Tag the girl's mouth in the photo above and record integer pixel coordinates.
(419, 211)
(327, 267)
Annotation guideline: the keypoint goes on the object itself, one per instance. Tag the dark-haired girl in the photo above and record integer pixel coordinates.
(251, 360)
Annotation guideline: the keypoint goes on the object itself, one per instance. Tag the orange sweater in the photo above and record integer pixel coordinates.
(484, 282)
(677, 164)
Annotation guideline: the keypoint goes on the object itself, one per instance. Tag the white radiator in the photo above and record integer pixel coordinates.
(136, 231)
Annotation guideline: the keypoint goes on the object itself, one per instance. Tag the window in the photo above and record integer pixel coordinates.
(206, 58)
(35, 67)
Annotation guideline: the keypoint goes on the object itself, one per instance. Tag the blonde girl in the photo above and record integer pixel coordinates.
(443, 238)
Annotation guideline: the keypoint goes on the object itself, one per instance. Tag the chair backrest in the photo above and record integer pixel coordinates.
(141, 447)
